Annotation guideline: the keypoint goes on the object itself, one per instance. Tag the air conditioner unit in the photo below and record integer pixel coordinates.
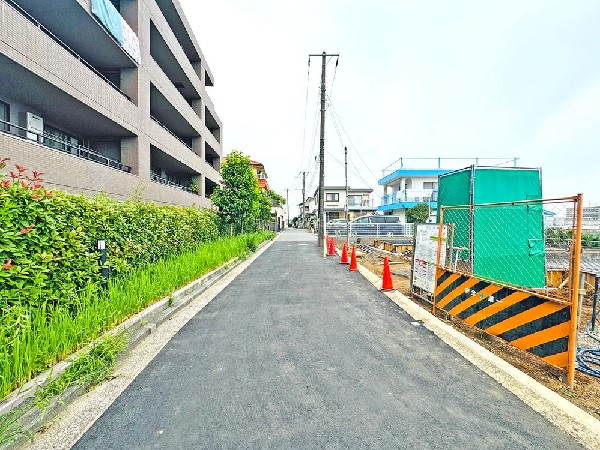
(33, 124)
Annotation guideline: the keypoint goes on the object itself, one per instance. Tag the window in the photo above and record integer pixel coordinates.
(362, 220)
(59, 140)
(332, 197)
(377, 219)
(429, 185)
(355, 200)
(4, 116)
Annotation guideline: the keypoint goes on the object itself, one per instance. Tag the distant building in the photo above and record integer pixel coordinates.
(277, 212)
(359, 202)
(589, 219)
(405, 188)
(261, 174)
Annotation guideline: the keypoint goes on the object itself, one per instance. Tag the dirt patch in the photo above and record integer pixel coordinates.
(586, 391)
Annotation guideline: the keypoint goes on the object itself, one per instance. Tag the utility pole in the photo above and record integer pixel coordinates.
(324, 56)
(303, 199)
(287, 201)
(347, 217)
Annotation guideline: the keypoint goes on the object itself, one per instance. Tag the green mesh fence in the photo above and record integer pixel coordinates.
(483, 236)
(526, 244)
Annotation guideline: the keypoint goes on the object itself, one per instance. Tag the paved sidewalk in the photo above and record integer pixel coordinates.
(297, 352)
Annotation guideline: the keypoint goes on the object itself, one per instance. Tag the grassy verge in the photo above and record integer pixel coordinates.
(32, 339)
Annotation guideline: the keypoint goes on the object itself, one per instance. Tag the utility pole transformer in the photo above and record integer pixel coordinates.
(324, 56)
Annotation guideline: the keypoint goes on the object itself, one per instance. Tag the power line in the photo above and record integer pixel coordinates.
(350, 140)
(334, 72)
(305, 110)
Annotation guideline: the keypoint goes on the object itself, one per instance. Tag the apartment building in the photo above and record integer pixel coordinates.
(109, 96)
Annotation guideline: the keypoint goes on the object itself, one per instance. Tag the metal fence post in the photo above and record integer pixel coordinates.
(575, 262)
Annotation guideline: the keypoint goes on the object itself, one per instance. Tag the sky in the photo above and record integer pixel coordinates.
(450, 79)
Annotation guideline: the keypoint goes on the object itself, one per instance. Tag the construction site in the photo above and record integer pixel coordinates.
(504, 267)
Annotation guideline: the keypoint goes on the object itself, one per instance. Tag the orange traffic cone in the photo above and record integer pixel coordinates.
(387, 276)
(353, 264)
(331, 251)
(344, 259)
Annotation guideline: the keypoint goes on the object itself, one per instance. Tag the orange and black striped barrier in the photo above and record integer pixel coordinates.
(530, 322)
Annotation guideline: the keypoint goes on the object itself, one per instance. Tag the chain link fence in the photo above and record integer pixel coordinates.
(524, 244)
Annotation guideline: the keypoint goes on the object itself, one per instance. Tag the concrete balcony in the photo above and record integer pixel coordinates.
(170, 144)
(40, 64)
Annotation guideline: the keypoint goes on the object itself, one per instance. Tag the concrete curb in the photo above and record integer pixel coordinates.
(559, 411)
(138, 327)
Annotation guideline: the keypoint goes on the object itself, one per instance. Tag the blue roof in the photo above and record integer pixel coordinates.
(413, 173)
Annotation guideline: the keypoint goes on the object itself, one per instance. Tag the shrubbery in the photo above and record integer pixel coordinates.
(48, 239)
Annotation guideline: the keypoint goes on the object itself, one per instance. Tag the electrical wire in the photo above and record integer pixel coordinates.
(588, 359)
(354, 169)
(349, 139)
(305, 110)
(337, 61)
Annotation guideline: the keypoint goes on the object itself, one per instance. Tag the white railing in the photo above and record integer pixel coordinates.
(410, 195)
(390, 230)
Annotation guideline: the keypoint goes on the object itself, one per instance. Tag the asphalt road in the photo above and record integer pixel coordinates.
(299, 353)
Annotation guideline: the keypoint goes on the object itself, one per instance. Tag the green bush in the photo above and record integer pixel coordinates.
(34, 337)
(48, 239)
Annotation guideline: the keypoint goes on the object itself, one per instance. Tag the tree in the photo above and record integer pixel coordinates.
(239, 200)
(418, 213)
(274, 198)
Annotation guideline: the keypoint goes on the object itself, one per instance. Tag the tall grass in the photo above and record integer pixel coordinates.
(33, 338)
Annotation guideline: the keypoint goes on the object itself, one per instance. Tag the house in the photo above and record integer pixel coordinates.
(405, 188)
(359, 202)
(111, 96)
(277, 211)
(261, 174)
(307, 213)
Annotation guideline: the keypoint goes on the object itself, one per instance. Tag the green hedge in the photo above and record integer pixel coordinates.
(48, 239)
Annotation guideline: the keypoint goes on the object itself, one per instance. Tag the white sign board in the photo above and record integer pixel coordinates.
(425, 255)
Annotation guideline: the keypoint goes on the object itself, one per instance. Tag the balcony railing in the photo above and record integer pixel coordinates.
(410, 195)
(65, 46)
(158, 179)
(170, 132)
(361, 204)
(68, 147)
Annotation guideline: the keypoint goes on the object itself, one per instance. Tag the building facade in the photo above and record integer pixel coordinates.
(359, 203)
(261, 174)
(405, 188)
(109, 96)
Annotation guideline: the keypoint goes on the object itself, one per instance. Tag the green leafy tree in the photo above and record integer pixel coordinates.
(274, 198)
(418, 213)
(239, 200)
